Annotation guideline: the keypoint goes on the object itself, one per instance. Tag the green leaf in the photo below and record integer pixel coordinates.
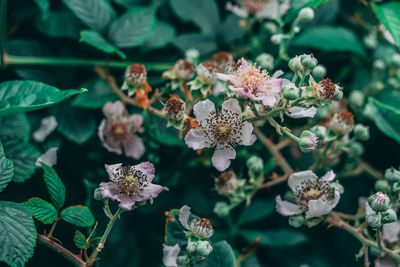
(161, 36)
(18, 234)
(167, 136)
(250, 261)
(256, 211)
(297, 5)
(222, 256)
(134, 27)
(6, 169)
(388, 14)
(174, 231)
(78, 215)
(44, 7)
(23, 156)
(22, 96)
(330, 38)
(97, 41)
(54, 25)
(99, 93)
(203, 13)
(205, 44)
(79, 240)
(41, 210)
(386, 118)
(229, 30)
(97, 14)
(15, 125)
(54, 185)
(276, 238)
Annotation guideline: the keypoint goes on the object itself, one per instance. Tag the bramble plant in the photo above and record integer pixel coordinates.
(199, 106)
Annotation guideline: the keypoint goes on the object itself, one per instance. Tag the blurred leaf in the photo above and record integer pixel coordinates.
(276, 238)
(95, 39)
(23, 155)
(134, 27)
(99, 93)
(164, 135)
(54, 186)
(6, 169)
(97, 14)
(15, 125)
(78, 215)
(204, 44)
(297, 5)
(388, 14)
(329, 38)
(18, 233)
(222, 256)
(257, 210)
(41, 210)
(54, 25)
(203, 13)
(174, 230)
(128, 3)
(22, 96)
(386, 118)
(44, 7)
(229, 30)
(79, 240)
(250, 261)
(161, 36)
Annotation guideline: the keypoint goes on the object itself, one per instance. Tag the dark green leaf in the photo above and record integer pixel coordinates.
(204, 13)
(250, 261)
(23, 156)
(15, 125)
(174, 230)
(41, 210)
(78, 215)
(99, 93)
(204, 44)
(134, 27)
(79, 240)
(97, 41)
(297, 5)
(229, 30)
(388, 13)
(276, 238)
(161, 36)
(44, 7)
(54, 186)
(54, 25)
(330, 38)
(6, 169)
(222, 256)
(18, 233)
(386, 118)
(97, 14)
(164, 135)
(257, 210)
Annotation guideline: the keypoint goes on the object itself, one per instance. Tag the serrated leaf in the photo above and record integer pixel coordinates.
(23, 155)
(297, 5)
(134, 27)
(78, 215)
(54, 186)
(161, 36)
(15, 125)
(97, 14)
(222, 256)
(330, 38)
(257, 210)
(79, 240)
(41, 210)
(205, 44)
(386, 118)
(99, 93)
(276, 238)
(95, 39)
(18, 234)
(203, 13)
(54, 25)
(6, 169)
(22, 96)
(388, 14)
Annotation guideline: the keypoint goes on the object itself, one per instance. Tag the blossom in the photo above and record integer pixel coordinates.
(170, 255)
(199, 226)
(299, 112)
(314, 196)
(261, 8)
(223, 60)
(119, 130)
(175, 108)
(130, 184)
(47, 126)
(249, 81)
(221, 130)
(342, 122)
(227, 183)
(49, 157)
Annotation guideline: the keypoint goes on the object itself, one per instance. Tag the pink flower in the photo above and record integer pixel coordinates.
(249, 81)
(119, 130)
(260, 8)
(221, 130)
(130, 184)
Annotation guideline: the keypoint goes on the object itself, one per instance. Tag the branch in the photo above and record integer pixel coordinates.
(369, 169)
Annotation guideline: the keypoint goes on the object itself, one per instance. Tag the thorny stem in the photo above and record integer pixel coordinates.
(53, 227)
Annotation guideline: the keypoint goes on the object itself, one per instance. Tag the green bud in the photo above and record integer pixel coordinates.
(276, 39)
(368, 111)
(309, 62)
(191, 247)
(192, 54)
(290, 92)
(374, 220)
(396, 59)
(377, 86)
(271, 27)
(322, 113)
(338, 93)
(222, 209)
(319, 71)
(356, 149)
(379, 64)
(396, 186)
(181, 260)
(98, 195)
(379, 202)
(296, 221)
(255, 164)
(361, 132)
(265, 61)
(319, 131)
(308, 141)
(382, 185)
(392, 175)
(204, 248)
(370, 40)
(388, 216)
(295, 64)
(306, 14)
(356, 98)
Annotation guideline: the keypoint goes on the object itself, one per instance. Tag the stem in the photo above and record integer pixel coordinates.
(53, 227)
(48, 242)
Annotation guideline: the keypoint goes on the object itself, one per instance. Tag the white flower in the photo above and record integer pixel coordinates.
(261, 8)
(298, 112)
(314, 196)
(199, 226)
(47, 126)
(170, 255)
(49, 157)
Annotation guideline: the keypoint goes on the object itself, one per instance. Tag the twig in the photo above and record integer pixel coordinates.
(53, 227)
(369, 169)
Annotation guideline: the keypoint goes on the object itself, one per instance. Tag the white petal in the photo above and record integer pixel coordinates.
(368, 209)
(240, 12)
(247, 138)
(317, 207)
(224, 77)
(48, 158)
(47, 126)
(221, 158)
(202, 111)
(184, 214)
(298, 112)
(278, 74)
(197, 139)
(391, 231)
(113, 108)
(110, 169)
(329, 176)
(170, 255)
(232, 105)
(297, 178)
(286, 208)
(270, 11)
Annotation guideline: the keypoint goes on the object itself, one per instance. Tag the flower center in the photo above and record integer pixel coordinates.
(118, 129)
(312, 190)
(223, 129)
(201, 227)
(253, 79)
(312, 194)
(129, 181)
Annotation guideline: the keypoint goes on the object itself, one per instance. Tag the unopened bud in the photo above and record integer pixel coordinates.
(296, 221)
(191, 247)
(392, 175)
(265, 61)
(356, 98)
(388, 216)
(271, 27)
(382, 185)
(361, 132)
(192, 54)
(319, 131)
(98, 195)
(374, 220)
(308, 141)
(379, 202)
(319, 71)
(255, 164)
(276, 39)
(290, 92)
(204, 248)
(306, 14)
(222, 209)
(309, 62)
(295, 64)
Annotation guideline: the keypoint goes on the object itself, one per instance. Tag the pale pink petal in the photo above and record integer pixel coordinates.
(184, 214)
(224, 77)
(137, 121)
(111, 168)
(240, 12)
(296, 179)
(269, 100)
(126, 202)
(286, 208)
(246, 136)
(202, 111)
(114, 147)
(236, 89)
(317, 207)
(147, 168)
(299, 112)
(278, 74)
(276, 85)
(113, 108)
(197, 139)
(221, 158)
(170, 255)
(232, 105)
(149, 192)
(329, 176)
(391, 231)
(134, 147)
(49, 158)
(108, 190)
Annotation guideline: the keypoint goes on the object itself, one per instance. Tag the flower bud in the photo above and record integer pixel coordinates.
(227, 183)
(290, 92)
(204, 248)
(396, 186)
(255, 164)
(338, 93)
(265, 60)
(342, 122)
(223, 60)
(222, 209)
(192, 54)
(396, 59)
(392, 175)
(308, 141)
(184, 69)
(295, 64)
(374, 220)
(319, 71)
(356, 98)
(388, 216)
(361, 132)
(379, 64)
(276, 39)
(379, 202)
(356, 149)
(296, 221)
(306, 14)
(175, 108)
(309, 62)
(271, 27)
(322, 113)
(98, 195)
(191, 247)
(382, 185)
(181, 260)
(319, 131)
